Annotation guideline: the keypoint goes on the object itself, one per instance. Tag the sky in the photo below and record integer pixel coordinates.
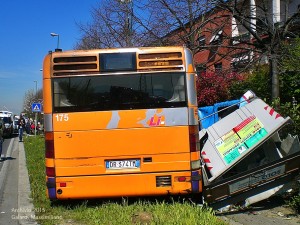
(25, 27)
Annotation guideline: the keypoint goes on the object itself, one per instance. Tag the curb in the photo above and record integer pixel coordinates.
(26, 213)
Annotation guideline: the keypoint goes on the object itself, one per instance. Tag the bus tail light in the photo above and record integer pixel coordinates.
(49, 145)
(50, 171)
(194, 138)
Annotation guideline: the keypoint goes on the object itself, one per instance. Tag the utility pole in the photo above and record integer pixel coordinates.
(35, 120)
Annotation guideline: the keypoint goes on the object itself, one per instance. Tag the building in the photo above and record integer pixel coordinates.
(226, 40)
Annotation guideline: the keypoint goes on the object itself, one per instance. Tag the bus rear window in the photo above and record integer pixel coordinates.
(110, 62)
(119, 92)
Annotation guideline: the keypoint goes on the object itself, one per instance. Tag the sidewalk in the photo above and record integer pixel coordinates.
(26, 213)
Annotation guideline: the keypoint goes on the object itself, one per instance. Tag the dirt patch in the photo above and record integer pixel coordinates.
(273, 211)
(142, 218)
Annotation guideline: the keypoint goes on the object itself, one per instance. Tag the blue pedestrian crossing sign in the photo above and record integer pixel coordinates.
(36, 107)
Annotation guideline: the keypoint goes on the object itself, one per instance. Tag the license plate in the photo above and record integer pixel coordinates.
(122, 164)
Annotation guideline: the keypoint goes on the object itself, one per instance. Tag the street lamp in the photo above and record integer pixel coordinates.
(35, 87)
(56, 35)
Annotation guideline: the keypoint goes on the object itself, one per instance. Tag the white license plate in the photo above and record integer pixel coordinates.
(123, 164)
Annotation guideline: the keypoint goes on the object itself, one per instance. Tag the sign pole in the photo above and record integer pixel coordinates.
(35, 123)
(36, 107)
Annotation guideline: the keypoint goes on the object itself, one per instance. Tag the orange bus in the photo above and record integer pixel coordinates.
(121, 122)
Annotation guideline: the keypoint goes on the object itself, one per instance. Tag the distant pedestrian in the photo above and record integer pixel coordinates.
(1, 137)
(21, 127)
(32, 128)
(27, 127)
(38, 128)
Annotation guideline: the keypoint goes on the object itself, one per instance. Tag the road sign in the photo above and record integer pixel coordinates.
(36, 107)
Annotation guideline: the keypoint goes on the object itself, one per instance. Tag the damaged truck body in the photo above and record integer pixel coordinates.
(249, 155)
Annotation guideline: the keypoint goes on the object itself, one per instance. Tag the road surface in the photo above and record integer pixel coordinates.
(15, 204)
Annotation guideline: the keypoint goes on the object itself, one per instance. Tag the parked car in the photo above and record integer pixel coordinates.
(15, 126)
(8, 123)
(1, 129)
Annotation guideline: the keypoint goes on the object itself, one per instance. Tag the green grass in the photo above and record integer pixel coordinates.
(124, 211)
(294, 203)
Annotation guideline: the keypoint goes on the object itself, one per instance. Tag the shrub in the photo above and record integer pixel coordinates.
(294, 203)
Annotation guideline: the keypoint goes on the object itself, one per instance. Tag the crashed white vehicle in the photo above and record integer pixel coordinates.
(248, 155)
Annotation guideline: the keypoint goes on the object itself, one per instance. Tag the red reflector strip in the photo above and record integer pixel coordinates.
(49, 136)
(181, 179)
(206, 160)
(271, 111)
(64, 184)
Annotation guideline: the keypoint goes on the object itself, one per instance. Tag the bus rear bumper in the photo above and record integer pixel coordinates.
(120, 185)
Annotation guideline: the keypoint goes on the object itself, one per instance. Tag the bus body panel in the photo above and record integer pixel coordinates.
(96, 166)
(129, 142)
(122, 119)
(108, 106)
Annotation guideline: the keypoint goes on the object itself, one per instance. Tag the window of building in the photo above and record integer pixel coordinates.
(217, 38)
(201, 40)
(240, 60)
(241, 38)
(200, 68)
(218, 67)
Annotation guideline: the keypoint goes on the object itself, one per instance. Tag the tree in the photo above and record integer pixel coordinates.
(151, 28)
(30, 98)
(268, 32)
(290, 71)
(123, 23)
(214, 87)
(114, 25)
(258, 81)
(288, 104)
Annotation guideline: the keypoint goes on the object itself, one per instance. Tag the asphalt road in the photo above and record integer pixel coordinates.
(15, 204)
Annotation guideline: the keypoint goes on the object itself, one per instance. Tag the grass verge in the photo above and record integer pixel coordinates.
(110, 212)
